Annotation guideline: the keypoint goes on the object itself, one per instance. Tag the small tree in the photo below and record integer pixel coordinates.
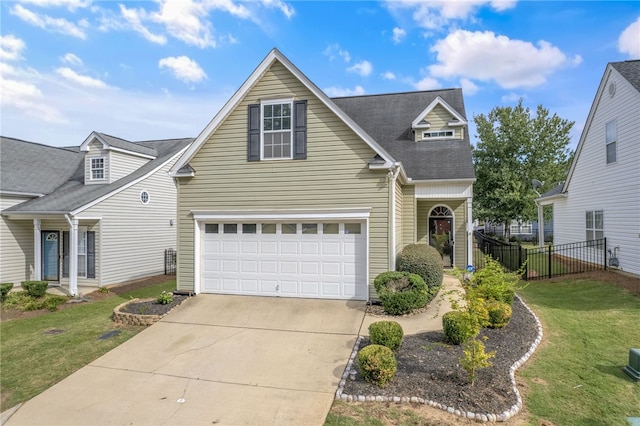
(475, 358)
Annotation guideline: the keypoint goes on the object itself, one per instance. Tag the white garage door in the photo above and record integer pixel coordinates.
(303, 259)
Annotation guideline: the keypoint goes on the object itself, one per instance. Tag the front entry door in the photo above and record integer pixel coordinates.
(441, 237)
(50, 256)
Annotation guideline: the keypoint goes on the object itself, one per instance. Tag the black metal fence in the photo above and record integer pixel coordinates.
(543, 262)
(170, 256)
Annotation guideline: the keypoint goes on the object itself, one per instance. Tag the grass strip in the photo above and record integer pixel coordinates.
(32, 361)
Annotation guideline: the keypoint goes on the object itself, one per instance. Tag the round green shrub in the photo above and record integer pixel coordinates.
(426, 261)
(5, 288)
(386, 333)
(35, 288)
(401, 292)
(377, 364)
(459, 326)
(499, 313)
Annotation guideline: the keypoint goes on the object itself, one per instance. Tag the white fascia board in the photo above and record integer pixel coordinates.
(21, 194)
(33, 215)
(84, 146)
(441, 181)
(179, 175)
(136, 154)
(455, 123)
(546, 201)
(357, 213)
(255, 76)
(438, 101)
(122, 188)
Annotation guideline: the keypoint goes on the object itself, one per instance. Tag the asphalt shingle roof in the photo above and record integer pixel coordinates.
(128, 146)
(387, 119)
(73, 193)
(629, 70)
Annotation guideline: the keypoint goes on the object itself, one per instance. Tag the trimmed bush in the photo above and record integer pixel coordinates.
(499, 313)
(426, 261)
(493, 283)
(35, 288)
(401, 292)
(377, 364)
(5, 288)
(386, 333)
(459, 326)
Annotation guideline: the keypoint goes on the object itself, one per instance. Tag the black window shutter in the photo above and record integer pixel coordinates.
(300, 130)
(65, 254)
(91, 254)
(253, 130)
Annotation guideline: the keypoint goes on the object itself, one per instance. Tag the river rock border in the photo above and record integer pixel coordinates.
(350, 371)
(126, 318)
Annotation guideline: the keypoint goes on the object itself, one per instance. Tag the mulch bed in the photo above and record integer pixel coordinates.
(428, 368)
(151, 307)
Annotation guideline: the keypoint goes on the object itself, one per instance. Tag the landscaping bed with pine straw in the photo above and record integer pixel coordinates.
(428, 368)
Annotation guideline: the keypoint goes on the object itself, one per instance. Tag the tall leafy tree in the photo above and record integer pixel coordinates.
(514, 148)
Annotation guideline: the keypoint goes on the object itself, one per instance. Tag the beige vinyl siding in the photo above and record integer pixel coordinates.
(335, 174)
(459, 225)
(133, 236)
(16, 245)
(124, 164)
(399, 206)
(438, 119)
(409, 215)
(96, 151)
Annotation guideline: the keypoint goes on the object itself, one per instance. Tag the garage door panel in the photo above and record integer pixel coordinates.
(304, 264)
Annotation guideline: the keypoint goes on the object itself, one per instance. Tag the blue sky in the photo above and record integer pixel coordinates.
(163, 69)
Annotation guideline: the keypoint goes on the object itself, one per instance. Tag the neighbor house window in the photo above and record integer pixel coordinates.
(97, 168)
(612, 141)
(276, 130)
(595, 225)
(440, 134)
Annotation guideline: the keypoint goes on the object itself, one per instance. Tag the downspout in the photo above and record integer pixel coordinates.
(73, 255)
(392, 176)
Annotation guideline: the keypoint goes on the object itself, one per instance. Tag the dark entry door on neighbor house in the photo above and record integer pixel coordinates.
(441, 237)
(50, 256)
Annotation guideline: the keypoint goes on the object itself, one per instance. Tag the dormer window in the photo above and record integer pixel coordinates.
(97, 168)
(438, 134)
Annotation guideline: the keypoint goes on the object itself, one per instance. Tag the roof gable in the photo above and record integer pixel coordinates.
(117, 144)
(255, 76)
(420, 121)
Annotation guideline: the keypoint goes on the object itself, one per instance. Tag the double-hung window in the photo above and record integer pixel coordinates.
(82, 252)
(611, 131)
(276, 130)
(97, 168)
(595, 225)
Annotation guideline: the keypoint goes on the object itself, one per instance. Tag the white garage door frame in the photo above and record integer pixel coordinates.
(339, 214)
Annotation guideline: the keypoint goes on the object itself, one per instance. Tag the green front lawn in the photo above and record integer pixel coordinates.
(32, 360)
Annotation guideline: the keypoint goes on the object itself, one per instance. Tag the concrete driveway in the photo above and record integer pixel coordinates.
(234, 360)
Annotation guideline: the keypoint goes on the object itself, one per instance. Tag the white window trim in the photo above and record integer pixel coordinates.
(82, 235)
(148, 197)
(262, 132)
(613, 142)
(92, 169)
(428, 132)
(592, 231)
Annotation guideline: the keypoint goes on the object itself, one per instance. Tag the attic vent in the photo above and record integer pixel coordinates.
(612, 89)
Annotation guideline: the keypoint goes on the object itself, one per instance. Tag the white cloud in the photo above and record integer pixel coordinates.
(629, 40)
(487, 57)
(427, 83)
(333, 51)
(186, 20)
(25, 98)
(398, 35)
(437, 14)
(286, 9)
(183, 68)
(363, 68)
(340, 91)
(511, 97)
(69, 4)
(57, 25)
(11, 47)
(468, 87)
(71, 59)
(82, 80)
(134, 19)
(388, 75)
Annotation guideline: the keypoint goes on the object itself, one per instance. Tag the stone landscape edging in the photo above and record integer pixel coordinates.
(126, 318)
(484, 417)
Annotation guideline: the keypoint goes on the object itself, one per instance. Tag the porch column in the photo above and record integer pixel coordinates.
(73, 255)
(469, 231)
(540, 226)
(37, 249)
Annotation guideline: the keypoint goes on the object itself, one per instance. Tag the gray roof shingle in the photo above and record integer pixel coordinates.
(387, 119)
(74, 194)
(128, 146)
(630, 70)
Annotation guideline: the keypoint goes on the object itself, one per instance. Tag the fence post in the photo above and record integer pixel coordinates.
(549, 259)
(604, 255)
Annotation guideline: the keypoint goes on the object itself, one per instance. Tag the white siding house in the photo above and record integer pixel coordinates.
(601, 197)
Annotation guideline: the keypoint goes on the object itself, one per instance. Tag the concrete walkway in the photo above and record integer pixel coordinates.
(229, 360)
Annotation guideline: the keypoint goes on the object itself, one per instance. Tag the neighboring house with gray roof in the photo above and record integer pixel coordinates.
(601, 196)
(290, 193)
(92, 215)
